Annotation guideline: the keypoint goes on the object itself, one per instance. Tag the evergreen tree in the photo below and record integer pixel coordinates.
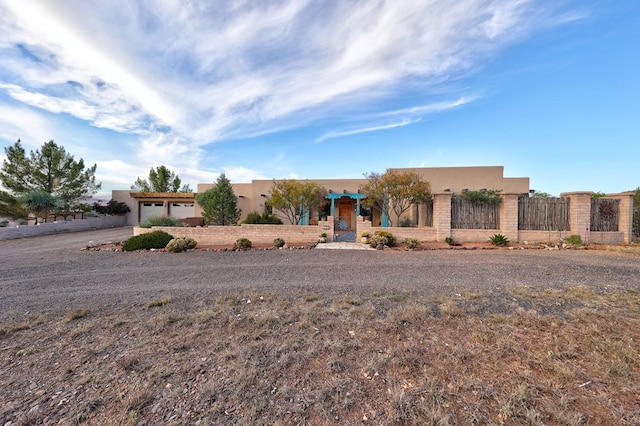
(219, 203)
(161, 179)
(51, 170)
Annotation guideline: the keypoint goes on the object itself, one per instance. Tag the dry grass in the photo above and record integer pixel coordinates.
(161, 301)
(633, 249)
(76, 314)
(527, 356)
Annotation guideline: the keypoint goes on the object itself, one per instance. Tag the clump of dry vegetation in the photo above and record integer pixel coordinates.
(523, 356)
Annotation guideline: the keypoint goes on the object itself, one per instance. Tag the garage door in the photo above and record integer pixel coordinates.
(151, 209)
(181, 210)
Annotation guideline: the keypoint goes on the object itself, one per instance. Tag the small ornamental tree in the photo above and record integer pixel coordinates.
(296, 199)
(161, 179)
(219, 203)
(396, 191)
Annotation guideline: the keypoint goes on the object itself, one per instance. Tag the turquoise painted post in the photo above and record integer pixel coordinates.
(385, 218)
(333, 207)
(304, 214)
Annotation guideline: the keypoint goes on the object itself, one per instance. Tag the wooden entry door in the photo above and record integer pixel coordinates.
(344, 215)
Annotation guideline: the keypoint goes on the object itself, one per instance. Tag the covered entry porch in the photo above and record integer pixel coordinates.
(345, 209)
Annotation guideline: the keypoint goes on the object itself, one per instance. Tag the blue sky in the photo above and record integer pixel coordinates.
(550, 89)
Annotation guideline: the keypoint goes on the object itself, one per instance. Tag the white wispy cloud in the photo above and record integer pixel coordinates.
(409, 116)
(182, 75)
(332, 135)
(19, 122)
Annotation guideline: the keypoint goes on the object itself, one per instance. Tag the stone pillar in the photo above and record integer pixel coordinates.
(509, 216)
(579, 213)
(625, 220)
(442, 215)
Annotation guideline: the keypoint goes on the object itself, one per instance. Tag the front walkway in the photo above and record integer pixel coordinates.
(343, 246)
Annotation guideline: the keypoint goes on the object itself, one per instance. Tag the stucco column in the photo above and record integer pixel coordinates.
(509, 216)
(442, 215)
(579, 213)
(625, 220)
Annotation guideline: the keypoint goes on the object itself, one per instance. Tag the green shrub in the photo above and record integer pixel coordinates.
(242, 244)
(573, 240)
(448, 240)
(3, 223)
(265, 218)
(499, 240)
(159, 221)
(278, 242)
(382, 237)
(365, 234)
(150, 240)
(411, 242)
(181, 244)
(406, 223)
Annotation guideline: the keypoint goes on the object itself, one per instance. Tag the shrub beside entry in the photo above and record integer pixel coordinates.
(382, 237)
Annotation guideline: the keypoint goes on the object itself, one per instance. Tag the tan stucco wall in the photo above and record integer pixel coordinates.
(454, 179)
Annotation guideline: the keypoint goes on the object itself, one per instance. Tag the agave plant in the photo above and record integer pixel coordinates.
(499, 240)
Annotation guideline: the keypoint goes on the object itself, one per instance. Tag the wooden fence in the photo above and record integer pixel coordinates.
(543, 214)
(428, 220)
(474, 214)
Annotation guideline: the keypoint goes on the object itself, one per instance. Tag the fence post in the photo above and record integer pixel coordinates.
(442, 215)
(509, 216)
(625, 220)
(579, 213)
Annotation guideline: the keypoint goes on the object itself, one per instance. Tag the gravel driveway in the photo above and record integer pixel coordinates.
(51, 274)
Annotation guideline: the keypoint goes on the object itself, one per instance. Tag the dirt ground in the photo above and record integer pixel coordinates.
(105, 337)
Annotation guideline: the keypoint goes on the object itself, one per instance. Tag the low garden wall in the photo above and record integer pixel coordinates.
(222, 235)
(265, 234)
(75, 225)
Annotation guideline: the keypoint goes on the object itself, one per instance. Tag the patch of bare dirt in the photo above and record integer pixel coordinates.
(446, 336)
